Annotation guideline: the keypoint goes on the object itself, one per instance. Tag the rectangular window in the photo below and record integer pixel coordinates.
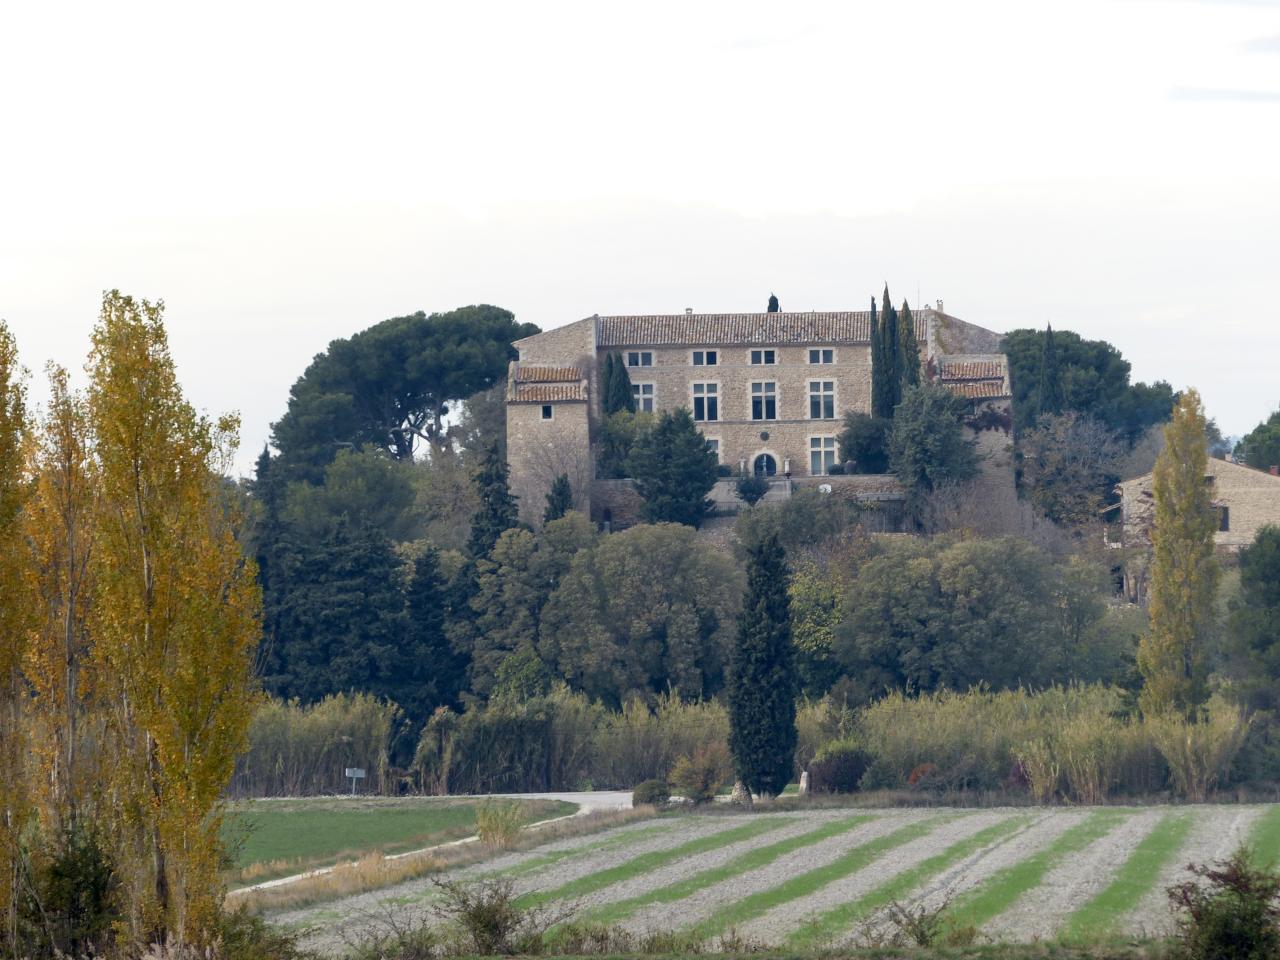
(640, 358)
(1224, 519)
(643, 393)
(822, 399)
(705, 358)
(822, 455)
(763, 358)
(706, 401)
(546, 411)
(822, 356)
(764, 401)
(713, 444)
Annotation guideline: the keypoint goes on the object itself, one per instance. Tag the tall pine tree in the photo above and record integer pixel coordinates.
(437, 674)
(881, 395)
(1049, 395)
(615, 386)
(892, 351)
(497, 510)
(908, 352)
(559, 499)
(1184, 572)
(763, 680)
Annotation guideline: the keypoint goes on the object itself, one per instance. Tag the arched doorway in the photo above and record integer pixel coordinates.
(765, 465)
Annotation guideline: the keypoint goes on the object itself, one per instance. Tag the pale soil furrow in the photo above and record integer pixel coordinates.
(673, 872)
(974, 871)
(693, 909)
(1072, 883)
(329, 925)
(773, 926)
(1216, 833)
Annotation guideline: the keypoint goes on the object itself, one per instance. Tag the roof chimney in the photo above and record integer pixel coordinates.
(940, 310)
(688, 311)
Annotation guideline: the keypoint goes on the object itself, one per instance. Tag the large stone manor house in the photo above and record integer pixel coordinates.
(768, 390)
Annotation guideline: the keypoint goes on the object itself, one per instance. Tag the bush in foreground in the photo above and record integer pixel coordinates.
(1229, 911)
(650, 792)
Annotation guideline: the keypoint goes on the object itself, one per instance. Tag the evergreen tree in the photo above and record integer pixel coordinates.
(435, 672)
(1255, 623)
(1049, 395)
(1184, 572)
(762, 678)
(881, 396)
(908, 352)
(341, 623)
(615, 386)
(927, 446)
(773, 304)
(674, 470)
(497, 510)
(892, 351)
(559, 499)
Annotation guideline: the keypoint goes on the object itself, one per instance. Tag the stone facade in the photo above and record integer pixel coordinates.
(1246, 501)
(768, 389)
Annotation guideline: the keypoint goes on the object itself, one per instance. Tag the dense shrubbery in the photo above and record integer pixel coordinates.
(562, 741)
(299, 751)
(654, 792)
(838, 768)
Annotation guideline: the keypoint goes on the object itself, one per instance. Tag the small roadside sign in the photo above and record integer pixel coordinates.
(354, 774)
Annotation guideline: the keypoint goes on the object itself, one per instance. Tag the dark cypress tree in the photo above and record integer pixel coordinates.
(879, 395)
(559, 499)
(434, 673)
(615, 387)
(1049, 394)
(497, 511)
(773, 304)
(763, 680)
(892, 352)
(908, 351)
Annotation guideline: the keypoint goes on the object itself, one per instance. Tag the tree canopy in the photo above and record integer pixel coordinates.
(674, 470)
(932, 614)
(392, 385)
(1260, 447)
(1092, 378)
(927, 447)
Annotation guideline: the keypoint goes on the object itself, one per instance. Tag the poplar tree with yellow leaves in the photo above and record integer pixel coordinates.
(14, 611)
(1184, 573)
(175, 618)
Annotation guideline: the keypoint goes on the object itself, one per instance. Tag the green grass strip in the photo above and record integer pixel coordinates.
(751, 860)
(801, 885)
(1000, 891)
(839, 919)
(1099, 918)
(611, 841)
(1264, 838)
(652, 860)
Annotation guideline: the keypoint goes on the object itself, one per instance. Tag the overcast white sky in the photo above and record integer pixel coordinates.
(284, 174)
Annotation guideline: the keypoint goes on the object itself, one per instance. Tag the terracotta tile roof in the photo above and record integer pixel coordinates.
(525, 373)
(976, 376)
(847, 326)
(546, 392)
(977, 389)
(974, 369)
